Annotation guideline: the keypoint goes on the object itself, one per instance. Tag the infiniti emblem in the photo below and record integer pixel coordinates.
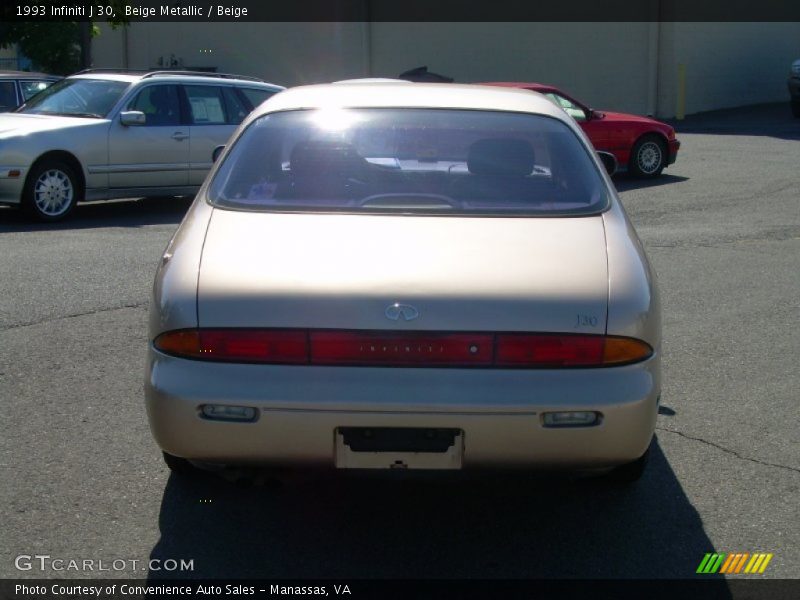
(406, 311)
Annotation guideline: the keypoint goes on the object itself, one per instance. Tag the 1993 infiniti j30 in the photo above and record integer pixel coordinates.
(402, 275)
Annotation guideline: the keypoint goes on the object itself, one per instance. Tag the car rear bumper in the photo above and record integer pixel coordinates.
(499, 411)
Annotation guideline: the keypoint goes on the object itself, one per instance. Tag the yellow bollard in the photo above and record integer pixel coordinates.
(680, 111)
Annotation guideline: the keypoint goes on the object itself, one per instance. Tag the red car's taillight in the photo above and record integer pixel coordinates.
(403, 349)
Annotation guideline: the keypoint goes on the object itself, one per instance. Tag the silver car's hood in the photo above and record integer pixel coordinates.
(22, 123)
(343, 271)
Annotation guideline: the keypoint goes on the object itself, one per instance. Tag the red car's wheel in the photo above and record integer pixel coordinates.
(649, 156)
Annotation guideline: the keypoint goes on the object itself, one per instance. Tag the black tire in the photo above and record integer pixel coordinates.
(180, 466)
(649, 157)
(796, 108)
(51, 191)
(631, 472)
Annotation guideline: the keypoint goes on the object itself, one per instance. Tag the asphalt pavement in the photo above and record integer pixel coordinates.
(82, 478)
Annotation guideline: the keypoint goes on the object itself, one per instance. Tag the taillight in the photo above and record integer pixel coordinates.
(557, 350)
(399, 348)
(408, 349)
(237, 345)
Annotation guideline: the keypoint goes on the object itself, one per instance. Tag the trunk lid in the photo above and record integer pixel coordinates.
(458, 273)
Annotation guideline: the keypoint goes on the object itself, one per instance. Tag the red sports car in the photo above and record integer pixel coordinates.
(642, 146)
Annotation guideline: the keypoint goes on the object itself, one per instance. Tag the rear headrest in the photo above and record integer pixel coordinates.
(501, 156)
(325, 158)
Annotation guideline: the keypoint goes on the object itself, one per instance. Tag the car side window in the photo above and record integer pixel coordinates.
(256, 96)
(8, 95)
(160, 105)
(30, 88)
(206, 105)
(234, 106)
(572, 109)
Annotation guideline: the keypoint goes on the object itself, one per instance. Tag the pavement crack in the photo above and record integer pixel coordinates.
(769, 237)
(73, 315)
(728, 450)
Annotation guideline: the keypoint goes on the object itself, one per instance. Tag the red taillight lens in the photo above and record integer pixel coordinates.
(244, 345)
(549, 350)
(367, 348)
(420, 348)
(556, 350)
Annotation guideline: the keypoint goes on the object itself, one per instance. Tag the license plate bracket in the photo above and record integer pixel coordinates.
(399, 448)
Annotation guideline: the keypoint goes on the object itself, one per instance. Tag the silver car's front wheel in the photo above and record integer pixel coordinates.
(51, 191)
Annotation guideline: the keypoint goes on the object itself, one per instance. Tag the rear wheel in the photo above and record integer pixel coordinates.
(796, 108)
(51, 190)
(649, 157)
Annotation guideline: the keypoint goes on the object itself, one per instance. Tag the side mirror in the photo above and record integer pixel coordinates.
(132, 117)
(216, 152)
(609, 162)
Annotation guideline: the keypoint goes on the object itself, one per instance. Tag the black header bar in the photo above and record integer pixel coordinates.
(702, 587)
(401, 10)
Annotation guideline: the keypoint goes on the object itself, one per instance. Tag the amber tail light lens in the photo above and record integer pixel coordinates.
(403, 349)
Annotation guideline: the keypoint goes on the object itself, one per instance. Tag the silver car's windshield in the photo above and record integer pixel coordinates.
(77, 98)
(418, 161)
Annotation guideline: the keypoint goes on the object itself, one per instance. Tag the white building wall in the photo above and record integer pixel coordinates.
(630, 67)
(603, 64)
(283, 53)
(727, 64)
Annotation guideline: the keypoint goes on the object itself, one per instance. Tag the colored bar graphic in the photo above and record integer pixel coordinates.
(734, 563)
(717, 563)
(711, 563)
(703, 563)
(727, 564)
(755, 563)
(741, 562)
(764, 564)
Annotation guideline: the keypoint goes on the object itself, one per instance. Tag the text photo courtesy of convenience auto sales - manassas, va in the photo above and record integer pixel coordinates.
(359, 299)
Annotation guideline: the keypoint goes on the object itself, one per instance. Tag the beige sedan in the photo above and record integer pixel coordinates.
(406, 276)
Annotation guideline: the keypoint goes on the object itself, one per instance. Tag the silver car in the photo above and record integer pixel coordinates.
(17, 87)
(100, 135)
(406, 276)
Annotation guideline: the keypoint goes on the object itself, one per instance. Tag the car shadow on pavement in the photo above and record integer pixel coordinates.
(426, 525)
(134, 212)
(625, 183)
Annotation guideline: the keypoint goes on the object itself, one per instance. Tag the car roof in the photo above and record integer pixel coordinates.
(416, 95)
(177, 76)
(531, 85)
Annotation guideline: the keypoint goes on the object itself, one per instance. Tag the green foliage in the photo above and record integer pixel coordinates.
(53, 47)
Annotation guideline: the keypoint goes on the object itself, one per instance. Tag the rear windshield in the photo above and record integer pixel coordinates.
(409, 161)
